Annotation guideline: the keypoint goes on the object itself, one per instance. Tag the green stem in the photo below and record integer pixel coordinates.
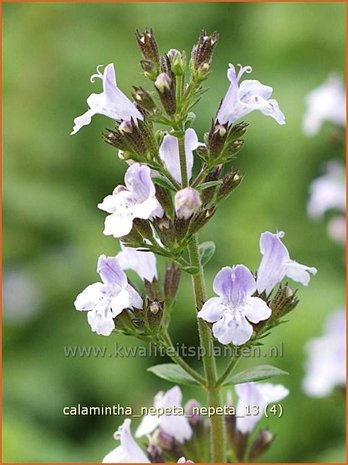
(183, 166)
(167, 342)
(217, 422)
(230, 367)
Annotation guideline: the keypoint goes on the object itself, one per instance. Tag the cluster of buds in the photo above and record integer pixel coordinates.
(149, 49)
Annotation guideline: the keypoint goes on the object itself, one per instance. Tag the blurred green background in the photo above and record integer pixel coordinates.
(53, 230)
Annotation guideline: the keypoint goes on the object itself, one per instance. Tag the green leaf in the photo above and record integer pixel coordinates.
(190, 269)
(255, 374)
(173, 373)
(163, 182)
(206, 251)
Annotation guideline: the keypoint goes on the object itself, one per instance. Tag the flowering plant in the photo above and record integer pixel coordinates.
(173, 187)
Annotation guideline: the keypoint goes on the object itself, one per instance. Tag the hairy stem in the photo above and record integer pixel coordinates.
(183, 166)
(217, 425)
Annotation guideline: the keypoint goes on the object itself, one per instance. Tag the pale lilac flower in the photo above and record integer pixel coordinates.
(252, 397)
(183, 460)
(143, 263)
(245, 97)
(176, 426)
(169, 153)
(328, 192)
(134, 200)
(187, 202)
(337, 229)
(325, 103)
(111, 102)
(104, 301)
(128, 451)
(276, 264)
(326, 362)
(234, 309)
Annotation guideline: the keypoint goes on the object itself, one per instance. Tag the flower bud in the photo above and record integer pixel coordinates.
(261, 444)
(192, 408)
(163, 83)
(144, 99)
(229, 183)
(163, 440)
(165, 87)
(126, 127)
(187, 202)
(171, 282)
(202, 53)
(216, 139)
(148, 45)
(178, 61)
(283, 302)
(207, 195)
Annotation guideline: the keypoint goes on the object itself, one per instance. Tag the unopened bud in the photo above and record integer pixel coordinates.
(216, 139)
(155, 453)
(171, 282)
(177, 60)
(148, 45)
(126, 127)
(155, 307)
(163, 83)
(229, 183)
(165, 87)
(144, 99)
(261, 444)
(283, 301)
(202, 53)
(187, 202)
(163, 440)
(192, 410)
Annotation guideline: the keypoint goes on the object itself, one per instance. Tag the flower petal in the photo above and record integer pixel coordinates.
(89, 297)
(111, 272)
(191, 143)
(148, 424)
(143, 263)
(176, 426)
(101, 322)
(128, 451)
(273, 264)
(119, 302)
(138, 181)
(234, 284)
(299, 273)
(169, 153)
(212, 310)
(118, 224)
(256, 310)
(134, 298)
(235, 329)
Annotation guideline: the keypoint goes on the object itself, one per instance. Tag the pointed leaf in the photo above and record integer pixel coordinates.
(173, 373)
(206, 251)
(163, 182)
(255, 374)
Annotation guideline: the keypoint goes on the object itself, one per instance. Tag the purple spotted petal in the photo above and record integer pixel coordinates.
(110, 271)
(273, 264)
(234, 284)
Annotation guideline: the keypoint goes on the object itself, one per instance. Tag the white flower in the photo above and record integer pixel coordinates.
(328, 192)
(169, 153)
(245, 97)
(176, 426)
(234, 309)
(252, 397)
(104, 301)
(276, 264)
(111, 102)
(128, 451)
(134, 200)
(143, 263)
(183, 460)
(325, 103)
(326, 363)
